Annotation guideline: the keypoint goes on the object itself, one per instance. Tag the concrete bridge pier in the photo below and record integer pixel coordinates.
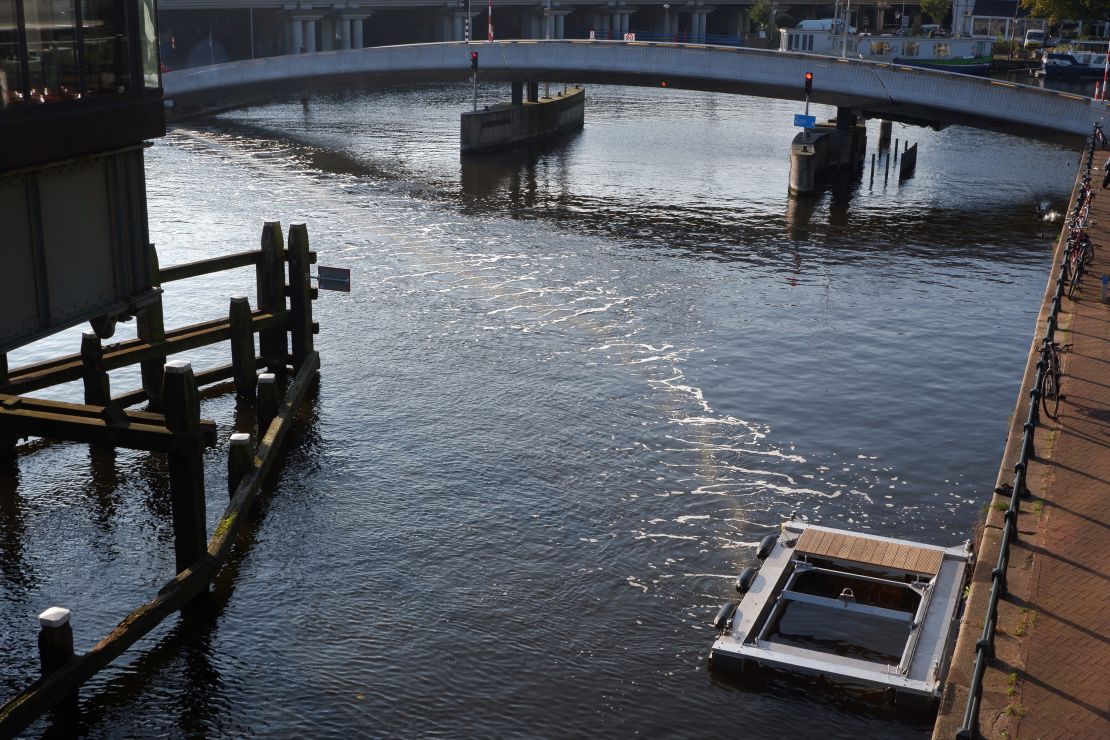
(836, 145)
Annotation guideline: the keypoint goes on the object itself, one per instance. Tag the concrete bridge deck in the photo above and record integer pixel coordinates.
(1050, 677)
(894, 92)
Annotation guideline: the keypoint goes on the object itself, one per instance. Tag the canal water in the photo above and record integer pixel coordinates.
(569, 391)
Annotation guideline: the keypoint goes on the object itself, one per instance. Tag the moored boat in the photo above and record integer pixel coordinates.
(1074, 64)
(962, 55)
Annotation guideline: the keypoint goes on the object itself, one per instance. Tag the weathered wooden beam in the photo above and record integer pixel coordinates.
(242, 346)
(267, 402)
(151, 329)
(204, 378)
(186, 465)
(95, 377)
(208, 266)
(43, 375)
(270, 275)
(36, 417)
(300, 294)
(240, 460)
(37, 698)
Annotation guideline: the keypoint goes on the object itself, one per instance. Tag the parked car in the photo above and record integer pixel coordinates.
(1034, 38)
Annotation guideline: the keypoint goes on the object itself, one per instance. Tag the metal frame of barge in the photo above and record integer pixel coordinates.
(873, 584)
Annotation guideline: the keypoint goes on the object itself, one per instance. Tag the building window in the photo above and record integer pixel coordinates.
(105, 47)
(50, 28)
(11, 76)
(56, 50)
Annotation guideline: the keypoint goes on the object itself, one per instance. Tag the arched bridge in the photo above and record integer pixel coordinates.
(881, 90)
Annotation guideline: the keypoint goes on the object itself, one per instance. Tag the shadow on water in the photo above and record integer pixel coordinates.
(187, 648)
(859, 701)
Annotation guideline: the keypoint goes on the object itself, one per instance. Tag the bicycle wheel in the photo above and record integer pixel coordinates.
(1050, 393)
(1076, 277)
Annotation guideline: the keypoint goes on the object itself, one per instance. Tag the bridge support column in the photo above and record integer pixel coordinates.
(561, 25)
(844, 119)
(310, 34)
(356, 31)
(518, 93)
(344, 32)
(604, 23)
(533, 91)
(296, 36)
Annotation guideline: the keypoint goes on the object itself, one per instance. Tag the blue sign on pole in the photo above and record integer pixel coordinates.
(804, 121)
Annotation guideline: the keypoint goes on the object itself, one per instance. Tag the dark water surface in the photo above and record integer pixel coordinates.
(570, 391)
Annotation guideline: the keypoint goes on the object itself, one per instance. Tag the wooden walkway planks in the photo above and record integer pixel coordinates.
(863, 549)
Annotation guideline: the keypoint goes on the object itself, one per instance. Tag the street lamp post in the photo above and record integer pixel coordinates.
(547, 37)
(667, 20)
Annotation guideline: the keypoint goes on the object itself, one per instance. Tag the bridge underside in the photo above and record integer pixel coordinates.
(911, 95)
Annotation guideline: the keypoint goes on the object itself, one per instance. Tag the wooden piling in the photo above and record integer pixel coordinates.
(242, 346)
(56, 650)
(896, 151)
(300, 295)
(240, 460)
(267, 402)
(872, 169)
(7, 441)
(98, 390)
(271, 295)
(186, 467)
(151, 328)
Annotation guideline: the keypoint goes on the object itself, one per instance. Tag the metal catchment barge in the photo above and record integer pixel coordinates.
(856, 608)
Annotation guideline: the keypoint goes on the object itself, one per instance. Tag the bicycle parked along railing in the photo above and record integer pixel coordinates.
(1045, 394)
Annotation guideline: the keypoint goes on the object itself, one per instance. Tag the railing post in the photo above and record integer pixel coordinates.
(55, 650)
(240, 460)
(242, 346)
(186, 466)
(267, 402)
(97, 388)
(300, 294)
(271, 296)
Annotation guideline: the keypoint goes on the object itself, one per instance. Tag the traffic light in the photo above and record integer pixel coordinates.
(474, 62)
(809, 82)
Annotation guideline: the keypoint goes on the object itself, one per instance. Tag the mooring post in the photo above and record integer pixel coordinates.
(267, 402)
(271, 295)
(896, 151)
(97, 388)
(240, 460)
(300, 294)
(186, 466)
(151, 328)
(872, 169)
(56, 649)
(242, 346)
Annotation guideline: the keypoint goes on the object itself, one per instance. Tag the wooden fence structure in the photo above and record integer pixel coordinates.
(172, 425)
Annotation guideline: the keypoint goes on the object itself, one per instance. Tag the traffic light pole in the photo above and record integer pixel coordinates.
(474, 76)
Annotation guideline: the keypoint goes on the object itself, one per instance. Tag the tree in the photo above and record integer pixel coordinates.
(761, 13)
(1076, 10)
(936, 9)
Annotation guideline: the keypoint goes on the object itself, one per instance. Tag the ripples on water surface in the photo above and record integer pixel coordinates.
(570, 390)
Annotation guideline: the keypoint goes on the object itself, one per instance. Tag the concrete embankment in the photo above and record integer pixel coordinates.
(513, 124)
(1050, 669)
(825, 148)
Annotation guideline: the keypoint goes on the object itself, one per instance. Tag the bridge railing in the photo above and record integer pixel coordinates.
(685, 37)
(984, 648)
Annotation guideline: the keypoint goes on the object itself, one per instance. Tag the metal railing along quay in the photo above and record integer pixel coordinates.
(984, 648)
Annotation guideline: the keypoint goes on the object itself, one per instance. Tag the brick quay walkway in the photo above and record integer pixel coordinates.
(1050, 677)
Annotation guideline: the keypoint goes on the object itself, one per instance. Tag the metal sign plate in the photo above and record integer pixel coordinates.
(334, 278)
(803, 121)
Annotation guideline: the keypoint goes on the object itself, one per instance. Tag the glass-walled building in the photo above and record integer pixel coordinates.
(80, 92)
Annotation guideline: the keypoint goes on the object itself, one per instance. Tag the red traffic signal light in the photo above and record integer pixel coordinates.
(474, 60)
(809, 83)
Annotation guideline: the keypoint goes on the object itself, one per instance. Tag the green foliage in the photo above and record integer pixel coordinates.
(761, 13)
(1059, 10)
(936, 9)
(784, 20)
